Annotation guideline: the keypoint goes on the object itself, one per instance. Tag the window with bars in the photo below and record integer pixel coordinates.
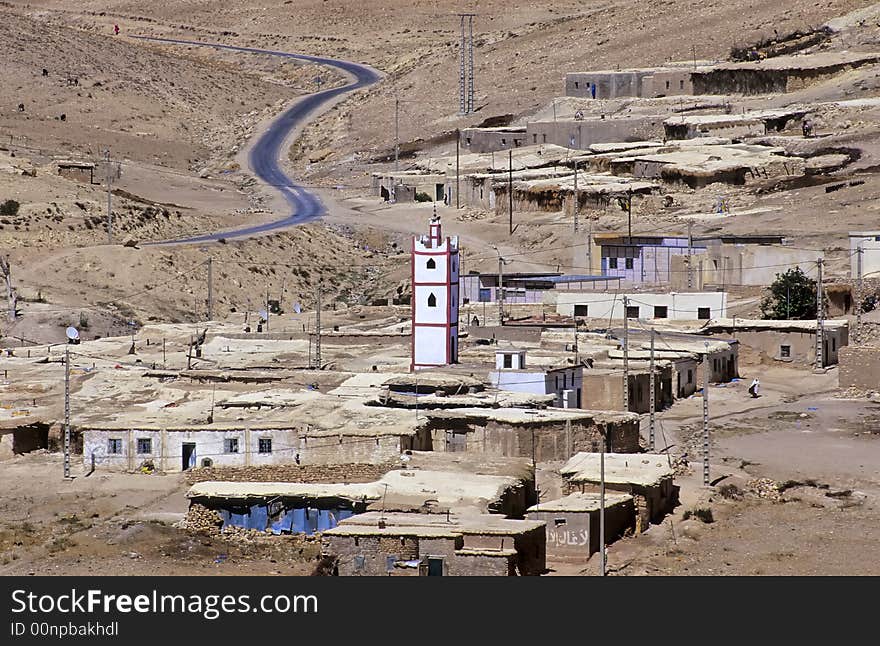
(265, 445)
(230, 445)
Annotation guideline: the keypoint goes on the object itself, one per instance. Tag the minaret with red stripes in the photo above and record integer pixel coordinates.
(434, 304)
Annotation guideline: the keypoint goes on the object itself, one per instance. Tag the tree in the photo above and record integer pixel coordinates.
(792, 296)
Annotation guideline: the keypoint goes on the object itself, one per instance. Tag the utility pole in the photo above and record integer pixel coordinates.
(267, 308)
(858, 299)
(629, 213)
(820, 317)
(577, 201)
(651, 434)
(706, 417)
(318, 329)
(67, 412)
(500, 290)
(109, 198)
(510, 187)
(210, 288)
(11, 298)
(602, 567)
(471, 107)
(625, 354)
(396, 133)
(690, 272)
(457, 168)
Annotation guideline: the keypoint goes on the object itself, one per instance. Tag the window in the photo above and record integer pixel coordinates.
(703, 313)
(667, 85)
(612, 263)
(577, 84)
(503, 141)
(265, 445)
(833, 344)
(661, 311)
(632, 311)
(544, 137)
(535, 138)
(785, 351)
(431, 264)
(629, 263)
(564, 380)
(468, 141)
(508, 361)
(681, 85)
(114, 446)
(144, 445)
(581, 310)
(230, 445)
(432, 300)
(690, 376)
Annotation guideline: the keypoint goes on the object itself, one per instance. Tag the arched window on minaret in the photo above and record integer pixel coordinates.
(431, 264)
(432, 300)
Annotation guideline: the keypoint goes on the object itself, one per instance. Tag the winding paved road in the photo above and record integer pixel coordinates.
(264, 155)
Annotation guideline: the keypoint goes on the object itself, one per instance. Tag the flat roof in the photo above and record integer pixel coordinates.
(492, 524)
(407, 487)
(581, 502)
(643, 469)
(530, 416)
(808, 325)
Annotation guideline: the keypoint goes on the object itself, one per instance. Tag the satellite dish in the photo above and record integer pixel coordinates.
(264, 315)
(297, 308)
(72, 335)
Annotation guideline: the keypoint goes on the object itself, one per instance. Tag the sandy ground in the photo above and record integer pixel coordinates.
(176, 121)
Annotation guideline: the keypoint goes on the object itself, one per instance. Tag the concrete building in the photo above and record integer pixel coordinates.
(869, 241)
(580, 134)
(647, 477)
(733, 126)
(308, 508)
(408, 185)
(784, 341)
(572, 523)
(487, 140)
(674, 305)
(511, 373)
(77, 171)
(435, 301)
(541, 434)
(179, 448)
(389, 544)
(714, 260)
(528, 288)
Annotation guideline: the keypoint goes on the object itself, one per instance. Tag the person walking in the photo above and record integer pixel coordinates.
(753, 389)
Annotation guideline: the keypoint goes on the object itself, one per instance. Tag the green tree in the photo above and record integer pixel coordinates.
(792, 296)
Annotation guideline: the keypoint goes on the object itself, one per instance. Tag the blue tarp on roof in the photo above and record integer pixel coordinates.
(303, 520)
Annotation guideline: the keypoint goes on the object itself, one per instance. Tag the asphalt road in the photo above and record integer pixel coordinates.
(265, 153)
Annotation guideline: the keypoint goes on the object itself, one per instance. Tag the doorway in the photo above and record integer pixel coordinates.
(189, 455)
(435, 566)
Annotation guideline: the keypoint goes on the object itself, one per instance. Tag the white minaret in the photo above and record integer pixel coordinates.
(434, 299)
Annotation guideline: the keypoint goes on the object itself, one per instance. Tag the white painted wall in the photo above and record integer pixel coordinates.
(680, 306)
(167, 448)
(430, 344)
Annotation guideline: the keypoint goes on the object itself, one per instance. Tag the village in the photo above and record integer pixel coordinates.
(629, 332)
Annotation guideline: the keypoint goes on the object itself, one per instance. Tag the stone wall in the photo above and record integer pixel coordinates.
(859, 367)
(344, 473)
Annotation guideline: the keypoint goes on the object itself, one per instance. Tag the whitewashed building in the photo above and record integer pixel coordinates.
(435, 267)
(681, 306)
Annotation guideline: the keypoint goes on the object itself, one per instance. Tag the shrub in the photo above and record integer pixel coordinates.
(9, 207)
(701, 513)
(423, 197)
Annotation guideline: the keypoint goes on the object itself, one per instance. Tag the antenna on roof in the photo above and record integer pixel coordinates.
(72, 335)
